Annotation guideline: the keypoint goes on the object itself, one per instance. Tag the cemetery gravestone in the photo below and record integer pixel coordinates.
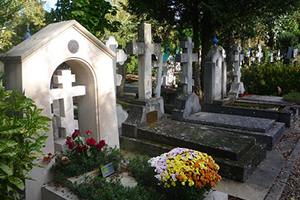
(289, 54)
(186, 59)
(259, 53)
(139, 111)
(186, 103)
(30, 67)
(214, 76)
(237, 87)
(120, 58)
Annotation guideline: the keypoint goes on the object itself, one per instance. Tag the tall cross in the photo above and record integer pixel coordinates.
(186, 59)
(65, 93)
(120, 58)
(144, 48)
(259, 54)
(238, 58)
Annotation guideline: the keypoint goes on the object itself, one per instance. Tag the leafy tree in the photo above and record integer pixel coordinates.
(20, 141)
(91, 14)
(15, 17)
(208, 17)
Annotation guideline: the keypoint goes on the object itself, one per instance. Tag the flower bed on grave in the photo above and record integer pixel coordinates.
(178, 174)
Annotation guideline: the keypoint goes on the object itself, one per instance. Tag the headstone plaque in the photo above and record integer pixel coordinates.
(107, 170)
(152, 117)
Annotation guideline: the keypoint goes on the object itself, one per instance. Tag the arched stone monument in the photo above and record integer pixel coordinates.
(31, 67)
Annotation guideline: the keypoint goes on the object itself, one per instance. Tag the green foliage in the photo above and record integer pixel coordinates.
(113, 189)
(142, 171)
(286, 40)
(132, 66)
(15, 17)
(292, 97)
(20, 141)
(265, 79)
(91, 14)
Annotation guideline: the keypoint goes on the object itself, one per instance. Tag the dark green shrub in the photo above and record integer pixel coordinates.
(20, 141)
(286, 40)
(113, 190)
(292, 97)
(265, 79)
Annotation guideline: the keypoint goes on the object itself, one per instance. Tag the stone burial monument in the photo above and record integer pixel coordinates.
(187, 102)
(146, 109)
(33, 67)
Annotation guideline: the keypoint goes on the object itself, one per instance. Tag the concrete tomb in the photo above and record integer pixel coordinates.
(215, 76)
(32, 66)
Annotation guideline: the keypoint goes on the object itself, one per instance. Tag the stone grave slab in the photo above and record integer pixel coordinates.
(237, 155)
(213, 142)
(231, 121)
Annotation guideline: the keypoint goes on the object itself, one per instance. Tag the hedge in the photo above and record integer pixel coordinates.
(264, 79)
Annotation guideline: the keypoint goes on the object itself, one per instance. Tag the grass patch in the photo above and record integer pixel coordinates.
(292, 97)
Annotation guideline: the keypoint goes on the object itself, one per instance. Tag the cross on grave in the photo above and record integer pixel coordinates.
(144, 48)
(259, 54)
(237, 87)
(238, 58)
(186, 59)
(64, 94)
(120, 58)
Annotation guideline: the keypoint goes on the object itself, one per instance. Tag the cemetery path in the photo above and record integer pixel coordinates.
(287, 184)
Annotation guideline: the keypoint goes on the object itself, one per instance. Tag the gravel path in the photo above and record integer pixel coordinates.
(288, 146)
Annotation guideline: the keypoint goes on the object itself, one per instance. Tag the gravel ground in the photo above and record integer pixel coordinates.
(285, 147)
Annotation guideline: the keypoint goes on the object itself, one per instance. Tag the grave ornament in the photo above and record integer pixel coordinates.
(237, 87)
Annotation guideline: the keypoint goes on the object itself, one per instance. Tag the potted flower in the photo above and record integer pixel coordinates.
(185, 173)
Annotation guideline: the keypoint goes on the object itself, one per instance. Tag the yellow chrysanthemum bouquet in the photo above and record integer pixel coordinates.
(185, 173)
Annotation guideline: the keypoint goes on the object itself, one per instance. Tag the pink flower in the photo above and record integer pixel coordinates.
(91, 141)
(84, 148)
(71, 144)
(79, 148)
(88, 132)
(75, 134)
(101, 144)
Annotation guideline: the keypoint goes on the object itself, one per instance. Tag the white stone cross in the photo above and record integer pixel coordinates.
(144, 48)
(65, 93)
(120, 58)
(186, 59)
(237, 87)
(259, 54)
(238, 58)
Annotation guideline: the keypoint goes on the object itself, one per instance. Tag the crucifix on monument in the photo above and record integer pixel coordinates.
(144, 48)
(186, 103)
(64, 95)
(186, 59)
(237, 87)
(146, 109)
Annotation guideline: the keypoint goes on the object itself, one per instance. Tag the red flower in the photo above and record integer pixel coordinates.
(79, 148)
(84, 148)
(71, 144)
(88, 132)
(101, 144)
(68, 141)
(75, 134)
(91, 141)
